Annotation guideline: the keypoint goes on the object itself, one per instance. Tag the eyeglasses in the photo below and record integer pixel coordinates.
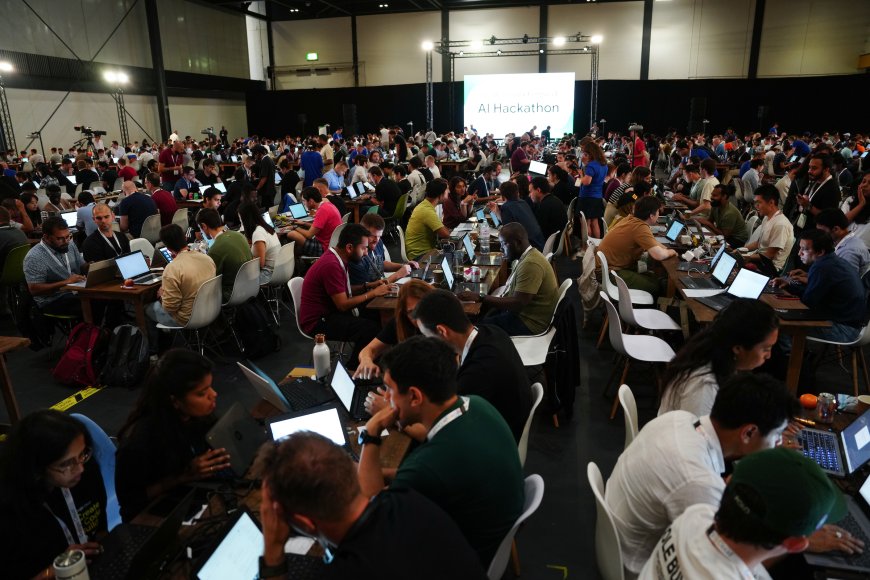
(71, 463)
(66, 238)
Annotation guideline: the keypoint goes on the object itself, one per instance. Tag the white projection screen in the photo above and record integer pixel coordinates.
(514, 103)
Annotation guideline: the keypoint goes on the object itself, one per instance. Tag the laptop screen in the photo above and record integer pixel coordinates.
(343, 386)
(132, 265)
(723, 268)
(718, 255)
(277, 178)
(237, 556)
(351, 191)
(70, 217)
(481, 214)
(71, 179)
(495, 221)
(469, 245)
(298, 211)
(264, 385)
(448, 272)
(856, 443)
(674, 230)
(220, 187)
(538, 167)
(747, 284)
(268, 219)
(167, 255)
(325, 422)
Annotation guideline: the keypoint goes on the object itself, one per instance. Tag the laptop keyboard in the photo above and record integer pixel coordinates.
(698, 282)
(849, 524)
(301, 567)
(300, 396)
(822, 448)
(120, 548)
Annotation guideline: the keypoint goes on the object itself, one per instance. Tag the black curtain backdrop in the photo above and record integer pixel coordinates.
(798, 104)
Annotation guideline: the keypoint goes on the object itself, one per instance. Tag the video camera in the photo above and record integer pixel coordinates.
(88, 131)
(208, 131)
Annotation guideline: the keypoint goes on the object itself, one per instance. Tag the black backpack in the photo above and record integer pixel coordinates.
(127, 360)
(255, 329)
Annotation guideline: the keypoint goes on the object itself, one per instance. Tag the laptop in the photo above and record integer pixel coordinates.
(451, 282)
(675, 228)
(302, 393)
(98, 273)
(838, 454)
(351, 394)
(299, 213)
(355, 190)
(857, 523)
(703, 268)
(240, 434)
(800, 314)
(479, 259)
(220, 187)
(133, 267)
(747, 284)
(721, 273)
(71, 219)
(538, 168)
(234, 158)
(277, 178)
(268, 219)
(324, 421)
(422, 273)
(71, 179)
(481, 214)
(136, 551)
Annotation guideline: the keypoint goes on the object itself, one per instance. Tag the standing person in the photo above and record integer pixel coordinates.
(821, 191)
(224, 135)
(638, 149)
(311, 163)
(266, 171)
(591, 188)
(163, 199)
(170, 162)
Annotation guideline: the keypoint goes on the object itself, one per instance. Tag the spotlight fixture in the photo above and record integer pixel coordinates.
(294, 10)
(383, 5)
(596, 39)
(498, 52)
(427, 45)
(461, 53)
(476, 44)
(541, 50)
(118, 78)
(559, 41)
(6, 66)
(492, 40)
(525, 38)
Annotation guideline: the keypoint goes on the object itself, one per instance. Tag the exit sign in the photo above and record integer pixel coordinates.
(311, 56)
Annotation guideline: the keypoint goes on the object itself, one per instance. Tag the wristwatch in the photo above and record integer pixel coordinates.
(366, 437)
(267, 571)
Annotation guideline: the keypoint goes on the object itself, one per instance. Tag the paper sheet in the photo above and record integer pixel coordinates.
(298, 545)
(701, 292)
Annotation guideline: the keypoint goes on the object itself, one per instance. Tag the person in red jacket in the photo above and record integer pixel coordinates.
(162, 199)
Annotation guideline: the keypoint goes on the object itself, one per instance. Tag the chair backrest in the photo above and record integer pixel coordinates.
(207, 304)
(608, 552)
(626, 310)
(387, 254)
(402, 253)
(569, 213)
(401, 205)
(142, 245)
(584, 229)
(151, 228)
(751, 224)
(285, 265)
(247, 283)
(345, 218)
(373, 209)
(563, 240)
(534, 495)
(614, 325)
(612, 292)
(118, 183)
(551, 241)
(179, 218)
(295, 287)
(13, 267)
(333, 240)
(549, 257)
(104, 454)
(629, 411)
(439, 211)
(537, 396)
(273, 211)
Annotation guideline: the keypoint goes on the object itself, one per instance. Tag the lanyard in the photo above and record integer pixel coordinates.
(376, 265)
(815, 190)
(112, 242)
(74, 515)
(346, 276)
(726, 551)
(56, 259)
(449, 418)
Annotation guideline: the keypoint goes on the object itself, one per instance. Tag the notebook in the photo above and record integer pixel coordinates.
(133, 267)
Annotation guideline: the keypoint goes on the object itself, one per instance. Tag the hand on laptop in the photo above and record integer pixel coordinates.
(90, 549)
(834, 538)
(75, 278)
(206, 465)
(375, 401)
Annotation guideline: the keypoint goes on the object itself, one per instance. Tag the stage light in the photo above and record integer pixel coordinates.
(116, 77)
(427, 45)
(461, 53)
(596, 39)
(559, 41)
(6, 66)
(525, 38)
(498, 52)
(110, 76)
(476, 44)
(492, 40)
(541, 50)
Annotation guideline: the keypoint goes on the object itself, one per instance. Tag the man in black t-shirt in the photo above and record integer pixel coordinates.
(548, 209)
(310, 485)
(387, 192)
(104, 244)
(265, 184)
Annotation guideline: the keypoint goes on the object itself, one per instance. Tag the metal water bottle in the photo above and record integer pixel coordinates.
(71, 565)
(322, 363)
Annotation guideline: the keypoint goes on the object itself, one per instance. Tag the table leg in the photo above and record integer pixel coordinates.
(87, 310)
(8, 393)
(386, 315)
(356, 213)
(798, 345)
(141, 319)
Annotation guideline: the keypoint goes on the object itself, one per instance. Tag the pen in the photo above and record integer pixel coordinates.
(805, 421)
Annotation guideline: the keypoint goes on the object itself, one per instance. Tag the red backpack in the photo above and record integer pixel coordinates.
(79, 366)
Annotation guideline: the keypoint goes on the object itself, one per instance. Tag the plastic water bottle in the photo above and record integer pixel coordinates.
(483, 237)
(322, 363)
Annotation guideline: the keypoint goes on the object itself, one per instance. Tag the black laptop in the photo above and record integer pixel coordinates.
(703, 268)
(324, 420)
(452, 284)
(240, 434)
(747, 284)
(720, 276)
(352, 394)
(479, 259)
(857, 523)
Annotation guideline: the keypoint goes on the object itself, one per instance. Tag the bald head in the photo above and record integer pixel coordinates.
(128, 187)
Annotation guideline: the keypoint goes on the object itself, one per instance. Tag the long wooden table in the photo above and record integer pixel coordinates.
(10, 344)
(797, 329)
(139, 296)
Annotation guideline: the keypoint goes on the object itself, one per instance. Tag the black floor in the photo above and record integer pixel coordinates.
(557, 542)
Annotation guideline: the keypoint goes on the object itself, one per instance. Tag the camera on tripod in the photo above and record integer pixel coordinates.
(208, 131)
(88, 131)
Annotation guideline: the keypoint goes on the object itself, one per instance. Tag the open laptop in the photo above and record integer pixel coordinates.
(424, 272)
(703, 268)
(299, 213)
(234, 158)
(133, 267)
(135, 551)
(451, 282)
(672, 234)
(71, 179)
(351, 394)
(98, 273)
(268, 219)
(71, 218)
(355, 190)
(721, 273)
(538, 168)
(277, 178)
(842, 454)
(220, 187)
(302, 393)
(479, 259)
(324, 420)
(747, 284)
(857, 523)
(481, 214)
(240, 434)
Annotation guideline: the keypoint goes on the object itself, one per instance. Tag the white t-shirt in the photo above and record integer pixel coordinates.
(273, 246)
(776, 232)
(670, 466)
(697, 395)
(686, 550)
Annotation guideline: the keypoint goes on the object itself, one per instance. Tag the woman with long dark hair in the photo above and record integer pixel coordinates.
(456, 207)
(51, 496)
(163, 444)
(265, 245)
(401, 149)
(739, 339)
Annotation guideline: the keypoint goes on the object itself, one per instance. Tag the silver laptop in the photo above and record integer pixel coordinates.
(300, 213)
(133, 267)
(747, 284)
(71, 218)
(724, 266)
(673, 233)
(98, 273)
(841, 454)
(538, 168)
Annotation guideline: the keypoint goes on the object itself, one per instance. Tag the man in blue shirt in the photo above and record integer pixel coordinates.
(311, 163)
(517, 210)
(134, 209)
(335, 177)
(847, 246)
(830, 287)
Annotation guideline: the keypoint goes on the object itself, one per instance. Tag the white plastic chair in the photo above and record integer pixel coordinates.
(533, 349)
(118, 184)
(629, 411)
(537, 397)
(857, 347)
(206, 309)
(245, 286)
(285, 266)
(569, 212)
(534, 495)
(639, 347)
(151, 228)
(608, 552)
(402, 253)
(751, 224)
(640, 297)
(295, 287)
(346, 218)
(333, 240)
(645, 318)
(144, 246)
(548, 245)
(179, 218)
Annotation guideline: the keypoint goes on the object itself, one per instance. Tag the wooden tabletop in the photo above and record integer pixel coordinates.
(12, 343)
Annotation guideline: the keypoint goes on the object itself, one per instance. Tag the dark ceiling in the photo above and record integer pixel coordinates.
(306, 9)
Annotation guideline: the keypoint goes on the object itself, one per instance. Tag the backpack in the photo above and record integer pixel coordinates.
(82, 357)
(255, 329)
(127, 360)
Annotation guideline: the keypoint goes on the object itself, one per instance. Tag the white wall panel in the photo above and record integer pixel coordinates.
(191, 115)
(813, 37)
(83, 25)
(389, 47)
(621, 25)
(330, 38)
(501, 23)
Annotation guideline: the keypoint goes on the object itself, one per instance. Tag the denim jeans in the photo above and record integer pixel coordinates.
(509, 322)
(839, 332)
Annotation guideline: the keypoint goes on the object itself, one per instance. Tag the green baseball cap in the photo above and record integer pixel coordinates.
(797, 496)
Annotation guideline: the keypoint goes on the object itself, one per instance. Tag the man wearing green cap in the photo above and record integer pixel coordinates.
(773, 502)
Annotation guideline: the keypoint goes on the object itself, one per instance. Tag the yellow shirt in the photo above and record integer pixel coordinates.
(424, 222)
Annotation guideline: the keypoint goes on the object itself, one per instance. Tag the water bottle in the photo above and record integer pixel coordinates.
(483, 237)
(322, 363)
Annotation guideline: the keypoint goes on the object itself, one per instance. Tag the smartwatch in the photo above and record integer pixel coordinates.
(366, 437)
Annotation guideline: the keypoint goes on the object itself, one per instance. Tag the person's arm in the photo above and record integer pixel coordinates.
(26, 222)
(124, 223)
(704, 222)
(344, 303)
(259, 251)
(42, 288)
(860, 202)
(367, 366)
(702, 207)
(170, 294)
(371, 478)
(660, 253)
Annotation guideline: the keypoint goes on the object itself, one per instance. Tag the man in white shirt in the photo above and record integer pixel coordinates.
(752, 178)
(784, 182)
(769, 252)
(774, 501)
(847, 245)
(430, 164)
(416, 179)
(677, 460)
(708, 182)
(327, 153)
